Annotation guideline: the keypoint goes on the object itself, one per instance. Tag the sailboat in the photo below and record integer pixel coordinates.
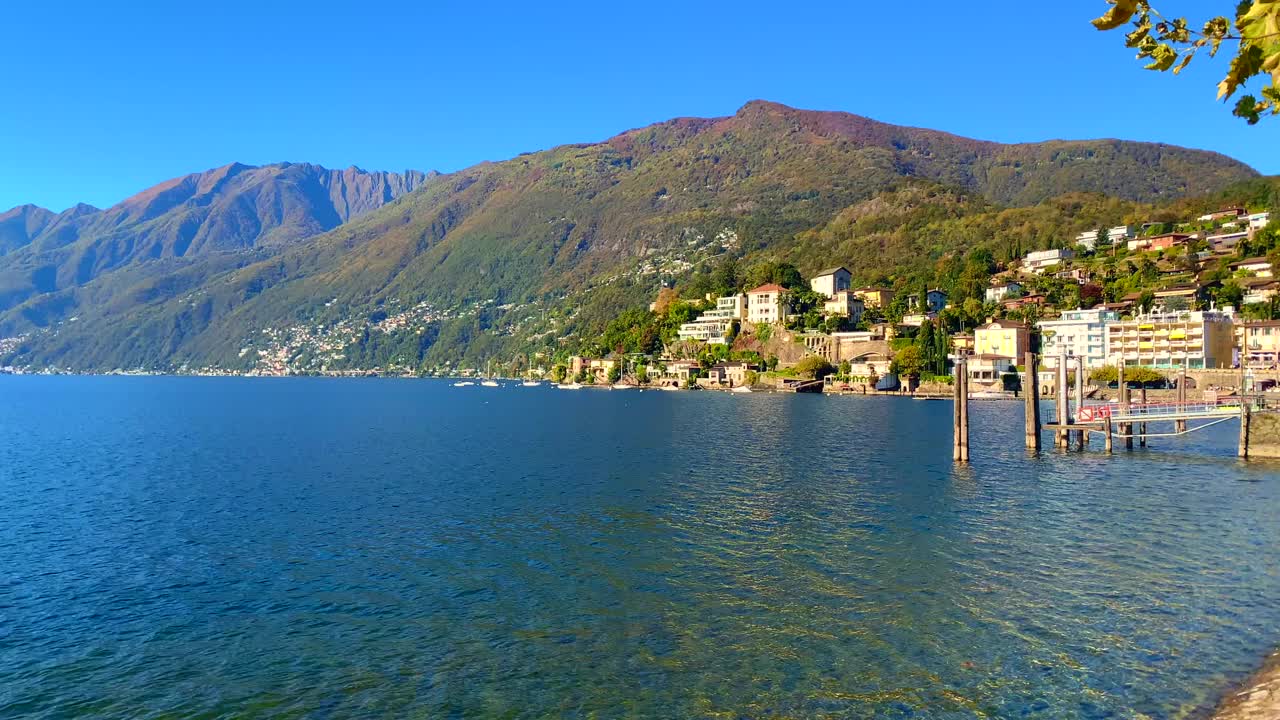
(528, 376)
(488, 376)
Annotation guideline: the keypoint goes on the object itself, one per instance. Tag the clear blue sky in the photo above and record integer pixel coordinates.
(103, 102)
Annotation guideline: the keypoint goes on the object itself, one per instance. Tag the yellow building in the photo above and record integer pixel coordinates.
(1168, 339)
(1262, 338)
(1005, 338)
(875, 297)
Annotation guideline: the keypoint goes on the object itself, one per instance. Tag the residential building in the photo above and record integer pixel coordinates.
(1180, 297)
(713, 326)
(1000, 291)
(829, 282)
(844, 303)
(600, 368)
(1077, 334)
(1261, 340)
(934, 301)
(1227, 240)
(729, 374)
(1259, 290)
(962, 344)
(1167, 339)
(1257, 221)
(1158, 242)
(1007, 338)
(676, 372)
(918, 319)
(1021, 302)
(1088, 240)
(1224, 214)
(1259, 266)
(764, 304)
(875, 297)
(989, 368)
(1120, 233)
(1037, 261)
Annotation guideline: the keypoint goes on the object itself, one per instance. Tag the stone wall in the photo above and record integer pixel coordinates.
(1264, 435)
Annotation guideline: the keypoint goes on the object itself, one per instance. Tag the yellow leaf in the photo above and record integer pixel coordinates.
(1118, 15)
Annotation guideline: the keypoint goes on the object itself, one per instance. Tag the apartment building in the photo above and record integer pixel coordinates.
(1168, 339)
(1077, 334)
(764, 304)
(713, 325)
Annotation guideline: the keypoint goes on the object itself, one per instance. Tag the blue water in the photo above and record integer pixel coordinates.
(250, 548)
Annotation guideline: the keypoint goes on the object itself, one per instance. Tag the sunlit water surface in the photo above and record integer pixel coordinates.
(182, 547)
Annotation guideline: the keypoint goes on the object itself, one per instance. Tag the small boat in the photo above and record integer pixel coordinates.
(463, 383)
(530, 383)
(741, 389)
(488, 377)
(570, 386)
(621, 386)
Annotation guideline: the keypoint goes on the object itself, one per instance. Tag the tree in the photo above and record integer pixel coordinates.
(907, 362)
(1171, 45)
(1231, 294)
(557, 374)
(814, 366)
(615, 373)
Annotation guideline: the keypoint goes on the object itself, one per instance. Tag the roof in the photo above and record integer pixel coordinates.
(1250, 261)
(831, 271)
(1262, 323)
(770, 287)
(1007, 324)
(1177, 290)
(873, 288)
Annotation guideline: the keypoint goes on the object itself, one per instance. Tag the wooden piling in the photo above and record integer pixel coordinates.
(1107, 428)
(1031, 391)
(1142, 428)
(1181, 425)
(1061, 404)
(1245, 419)
(956, 389)
(964, 417)
(1081, 435)
(1126, 429)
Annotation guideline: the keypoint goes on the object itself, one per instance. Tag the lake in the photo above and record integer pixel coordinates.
(252, 548)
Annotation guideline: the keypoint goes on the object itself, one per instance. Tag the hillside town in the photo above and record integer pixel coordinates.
(1206, 304)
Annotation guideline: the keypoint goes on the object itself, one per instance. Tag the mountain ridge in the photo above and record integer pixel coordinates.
(547, 226)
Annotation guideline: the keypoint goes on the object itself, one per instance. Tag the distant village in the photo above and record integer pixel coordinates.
(873, 339)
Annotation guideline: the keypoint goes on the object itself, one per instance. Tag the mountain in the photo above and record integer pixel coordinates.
(548, 244)
(228, 209)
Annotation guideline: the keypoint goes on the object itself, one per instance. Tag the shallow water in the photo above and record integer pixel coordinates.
(177, 547)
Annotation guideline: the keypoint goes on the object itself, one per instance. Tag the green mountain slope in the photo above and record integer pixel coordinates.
(548, 244)
(228, 209)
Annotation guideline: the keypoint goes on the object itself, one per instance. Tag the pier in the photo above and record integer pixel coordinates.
(1073, 421)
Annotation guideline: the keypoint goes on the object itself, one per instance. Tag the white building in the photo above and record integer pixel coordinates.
(934, 301)
(764, 304)
(845, 303)
(1078, 333)
(713, 325)
(1121, 233)
(1037, 261)
(1088, 239)
(996, 293)
(830, 282)
(1257, 221)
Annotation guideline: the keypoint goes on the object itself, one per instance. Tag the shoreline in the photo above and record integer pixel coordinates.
(1257, 698)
